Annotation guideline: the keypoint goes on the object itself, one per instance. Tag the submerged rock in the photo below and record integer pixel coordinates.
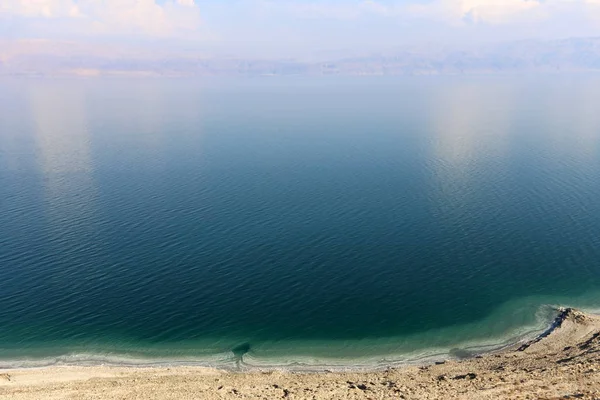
(240, 350)
(461, 354)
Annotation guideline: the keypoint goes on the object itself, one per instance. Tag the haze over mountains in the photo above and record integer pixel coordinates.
(50, 58)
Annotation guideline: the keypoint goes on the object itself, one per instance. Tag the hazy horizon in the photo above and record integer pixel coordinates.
(298, 29)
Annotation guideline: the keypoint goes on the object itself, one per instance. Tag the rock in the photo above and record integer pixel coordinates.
(557, 323)
(470, 375)
(589, 342)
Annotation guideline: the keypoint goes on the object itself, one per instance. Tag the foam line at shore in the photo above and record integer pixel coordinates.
(253, 359)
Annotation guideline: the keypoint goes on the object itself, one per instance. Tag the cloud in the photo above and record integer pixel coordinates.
(276, 27)
(107, 17)
(475, 11)
(39, 8)
(454, 12)
(189, 3)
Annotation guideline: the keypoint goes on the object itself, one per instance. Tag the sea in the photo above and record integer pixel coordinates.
(293, 222)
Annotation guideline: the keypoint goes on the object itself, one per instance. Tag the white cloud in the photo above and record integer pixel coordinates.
(189, 3)
(40, 8)
(478, 11)
(454, 12)
(175, 17)
(282, 26)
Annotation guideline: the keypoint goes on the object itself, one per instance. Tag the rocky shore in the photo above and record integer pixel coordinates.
(562, 363)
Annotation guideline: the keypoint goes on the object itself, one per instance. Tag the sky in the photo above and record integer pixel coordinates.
(290, 28)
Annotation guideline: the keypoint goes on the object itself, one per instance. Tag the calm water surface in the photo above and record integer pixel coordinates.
(295, 220)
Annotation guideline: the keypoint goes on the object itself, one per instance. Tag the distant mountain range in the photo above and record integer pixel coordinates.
(576, 54)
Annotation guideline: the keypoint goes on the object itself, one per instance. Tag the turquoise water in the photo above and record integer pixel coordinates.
(297, 221)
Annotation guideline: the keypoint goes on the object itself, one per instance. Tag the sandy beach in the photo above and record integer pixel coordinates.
(563, 363)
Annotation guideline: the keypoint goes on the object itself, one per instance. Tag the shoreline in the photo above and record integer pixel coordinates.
(562, 361)
(241, 360)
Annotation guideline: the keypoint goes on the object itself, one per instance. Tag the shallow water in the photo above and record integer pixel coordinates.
(315, 221)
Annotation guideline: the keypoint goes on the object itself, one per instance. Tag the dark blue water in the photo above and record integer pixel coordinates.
(301, 219)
